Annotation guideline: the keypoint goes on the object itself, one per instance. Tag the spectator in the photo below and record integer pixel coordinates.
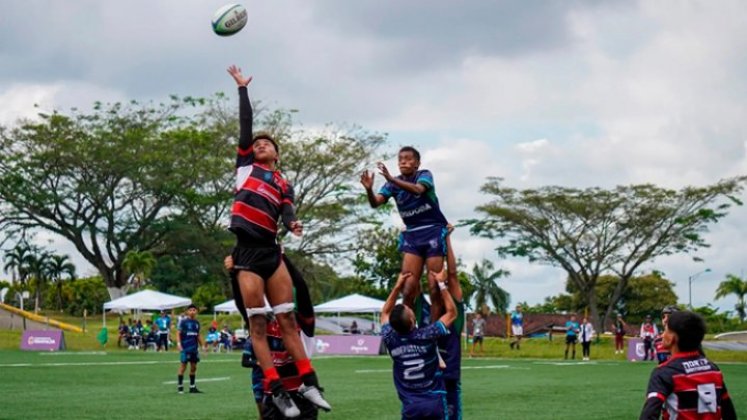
(212, 339)
(478, 332)
(517, 327)
(619, 328)
(124, 333)
(571, 336)
(354, 328)
(226, 338)
(648, 333)
(163, 323)
(586, 334)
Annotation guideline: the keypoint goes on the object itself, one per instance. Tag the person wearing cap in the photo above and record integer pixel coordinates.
(662, 352)
(648, 333)
(263, 197)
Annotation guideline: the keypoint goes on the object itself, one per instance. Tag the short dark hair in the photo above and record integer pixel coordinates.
(398, 319)
(265, 135)
(192, 305)
(689, 327)
(411, 149)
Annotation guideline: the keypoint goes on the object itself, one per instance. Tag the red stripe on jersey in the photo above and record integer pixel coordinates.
(244, 152)
(690, 382)
(287, 201)
(254, 215)
(262, 188)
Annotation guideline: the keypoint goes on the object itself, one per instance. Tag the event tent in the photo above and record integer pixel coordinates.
(351, 303)
(146, 300)
(229, 306)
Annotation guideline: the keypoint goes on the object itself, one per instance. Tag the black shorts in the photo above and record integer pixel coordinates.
(571, 339)
(477, 339)
(260, 261)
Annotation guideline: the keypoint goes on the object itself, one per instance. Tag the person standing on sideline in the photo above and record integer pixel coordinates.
(688, 385)
(478, 332)
(414, 351)
(663, 353)
(648, 333)
(571, 335)
(586, 334)
(263, 197)
(619, 328)
(517, 327)
(188, 341)
(163, 323)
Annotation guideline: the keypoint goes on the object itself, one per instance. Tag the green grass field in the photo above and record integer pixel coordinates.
(131, 384)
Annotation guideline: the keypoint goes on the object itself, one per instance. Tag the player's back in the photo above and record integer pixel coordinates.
(415, 356)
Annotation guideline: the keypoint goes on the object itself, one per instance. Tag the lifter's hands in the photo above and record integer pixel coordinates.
(235, 72)
(402, 279)
(296, 227)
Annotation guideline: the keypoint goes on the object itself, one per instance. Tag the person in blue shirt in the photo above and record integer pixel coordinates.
(517, 327)
(424, 240)
(414, 352)
(163, 323)
(188, 341)
(571, 335)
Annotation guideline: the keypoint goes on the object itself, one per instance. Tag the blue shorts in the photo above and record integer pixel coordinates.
(431, 408)
(425, 243)
(189, 356)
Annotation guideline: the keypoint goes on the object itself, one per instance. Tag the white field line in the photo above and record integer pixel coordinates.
(463, 368)
(201, 380)
(74, 353)
(140, 363)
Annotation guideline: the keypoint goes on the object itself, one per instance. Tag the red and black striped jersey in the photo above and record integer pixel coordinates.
(687, 386)
(262, 195)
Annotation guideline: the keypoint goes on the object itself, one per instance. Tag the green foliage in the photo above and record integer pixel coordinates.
(139, 264)
(85, 294)
(485, 291)
(588, 232)
(734, 285)
(207, 296)
(718, 322)
(380, 262)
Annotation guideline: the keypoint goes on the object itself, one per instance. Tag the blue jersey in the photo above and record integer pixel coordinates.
(517, 318)
(416, 210)
(416, 373)
(572, 327)
(450, 346)
(189, 331)
(164, 323)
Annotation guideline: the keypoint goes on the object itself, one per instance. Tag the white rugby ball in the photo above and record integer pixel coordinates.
(229, 19)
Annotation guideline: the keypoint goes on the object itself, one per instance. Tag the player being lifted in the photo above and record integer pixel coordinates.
(424, 240)
(417, 377)
(262, 197)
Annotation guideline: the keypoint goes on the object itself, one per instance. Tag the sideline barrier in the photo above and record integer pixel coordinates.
(51, 340)
(41, 319)
(347, 345)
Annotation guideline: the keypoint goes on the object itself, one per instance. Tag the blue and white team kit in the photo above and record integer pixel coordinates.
(425, 233)
(189, 332)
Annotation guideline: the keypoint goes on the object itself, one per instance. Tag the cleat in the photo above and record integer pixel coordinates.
(283, 400)
(195, 391)
(313, 395)
(180, 390)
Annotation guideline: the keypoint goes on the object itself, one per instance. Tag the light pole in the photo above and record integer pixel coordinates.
(690, 286)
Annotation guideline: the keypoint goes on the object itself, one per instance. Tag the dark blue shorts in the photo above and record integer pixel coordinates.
(453, 398)
(430, 408)
(189, 356)
(425, 243)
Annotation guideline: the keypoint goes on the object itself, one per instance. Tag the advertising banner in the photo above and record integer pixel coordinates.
(347, 344)
(35, 340)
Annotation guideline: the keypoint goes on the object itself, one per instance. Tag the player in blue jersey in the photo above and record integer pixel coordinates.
(517, 327)
(424, 240)
(571, 335)
(450, 346)
(417, 377)
(163, 323)
(188, 341)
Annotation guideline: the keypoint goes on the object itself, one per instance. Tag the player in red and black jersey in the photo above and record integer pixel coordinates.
(263, 197)
(688, 385)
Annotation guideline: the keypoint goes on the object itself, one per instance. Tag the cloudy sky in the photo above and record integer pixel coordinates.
(574, 93)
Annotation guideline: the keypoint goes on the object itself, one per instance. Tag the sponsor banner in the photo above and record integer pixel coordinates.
(347, 344)
(636, 350)
(51, 340)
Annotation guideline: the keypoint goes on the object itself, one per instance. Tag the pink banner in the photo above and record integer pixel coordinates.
(51, 340)
(347, 344)
(636, 350)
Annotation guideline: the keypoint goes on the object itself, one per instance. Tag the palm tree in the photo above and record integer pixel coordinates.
(484, 279)
(59, 266)
(139, 265)
(734, 285)
(39, 267)
(17, 262)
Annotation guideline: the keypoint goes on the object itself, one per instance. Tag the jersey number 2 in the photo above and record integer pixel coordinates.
(414, 370)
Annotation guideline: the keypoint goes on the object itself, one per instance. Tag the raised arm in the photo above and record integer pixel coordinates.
(451, 311)
(451, 265)
(386, 310)
(245, 108)
(416, 188)
(375, 200)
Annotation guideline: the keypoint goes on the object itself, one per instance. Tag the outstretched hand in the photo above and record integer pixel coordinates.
(367, 179)
(235, 72)
(384, 171)
(442, 275)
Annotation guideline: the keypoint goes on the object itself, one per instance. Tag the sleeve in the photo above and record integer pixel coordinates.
(425, 177)
(657, 392)
(387, 190)
(386, 333)
(287, 206)
(435, 330)
(245, 154)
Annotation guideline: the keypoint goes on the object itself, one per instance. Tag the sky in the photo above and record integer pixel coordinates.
(573, 93)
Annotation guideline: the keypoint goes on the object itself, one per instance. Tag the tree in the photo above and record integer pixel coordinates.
(380, 262)
(139, 264)
(59, 267)
(17, 262)
(485, 283)
(39, 267)
(103, 180)
(734, 285)
(595, 231)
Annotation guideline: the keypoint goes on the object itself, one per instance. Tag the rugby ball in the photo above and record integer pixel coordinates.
(229, 19)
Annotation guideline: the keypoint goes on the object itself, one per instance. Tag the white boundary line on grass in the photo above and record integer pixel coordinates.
(144, 362)
(225, 378)
(74, 353)
(463, 368)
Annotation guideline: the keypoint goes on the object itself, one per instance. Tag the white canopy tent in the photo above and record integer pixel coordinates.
(146, 300)
(229, 306)
(354, 303)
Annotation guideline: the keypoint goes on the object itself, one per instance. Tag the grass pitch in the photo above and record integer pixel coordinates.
(133, 384)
